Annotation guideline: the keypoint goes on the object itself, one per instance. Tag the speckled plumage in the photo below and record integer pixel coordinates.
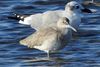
(50, 39)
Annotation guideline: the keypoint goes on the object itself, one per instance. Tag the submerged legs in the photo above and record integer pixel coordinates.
(48, 54)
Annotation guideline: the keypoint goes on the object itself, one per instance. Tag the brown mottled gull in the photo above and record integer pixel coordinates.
(52, 38)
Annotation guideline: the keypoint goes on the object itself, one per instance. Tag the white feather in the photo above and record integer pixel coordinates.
(49, 18)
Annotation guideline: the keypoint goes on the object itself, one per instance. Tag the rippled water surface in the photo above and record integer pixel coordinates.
(83, 51)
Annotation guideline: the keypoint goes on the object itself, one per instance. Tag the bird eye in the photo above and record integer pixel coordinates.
(77, 7)
(66, 21)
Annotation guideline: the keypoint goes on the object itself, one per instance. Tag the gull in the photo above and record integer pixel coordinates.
(52, 38)
(49, 18)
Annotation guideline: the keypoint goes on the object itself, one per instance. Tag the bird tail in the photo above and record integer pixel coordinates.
(17, 17)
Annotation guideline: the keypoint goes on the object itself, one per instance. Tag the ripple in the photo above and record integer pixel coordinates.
(83, 51)
(50, 2)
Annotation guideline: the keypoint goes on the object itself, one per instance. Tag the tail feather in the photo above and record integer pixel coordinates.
(18, 17)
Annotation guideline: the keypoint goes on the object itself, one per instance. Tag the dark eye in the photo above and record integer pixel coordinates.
(77, 7)
(66, 21)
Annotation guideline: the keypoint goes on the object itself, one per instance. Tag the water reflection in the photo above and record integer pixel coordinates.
(45, 61)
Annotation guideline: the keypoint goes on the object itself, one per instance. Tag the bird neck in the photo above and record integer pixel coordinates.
(63, 31)
(68, 12)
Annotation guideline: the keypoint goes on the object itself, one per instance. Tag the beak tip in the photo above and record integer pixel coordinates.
(75, 30)
(86, 10)
(72, 28)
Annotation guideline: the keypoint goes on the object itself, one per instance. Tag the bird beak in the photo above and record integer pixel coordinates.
(69, 26)
(86, 10)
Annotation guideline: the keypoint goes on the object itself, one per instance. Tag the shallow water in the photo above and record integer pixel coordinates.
(83, 51)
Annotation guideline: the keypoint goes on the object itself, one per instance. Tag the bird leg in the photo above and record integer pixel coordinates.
(48, 54)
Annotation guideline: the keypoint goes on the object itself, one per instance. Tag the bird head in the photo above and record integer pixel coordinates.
(74, 6)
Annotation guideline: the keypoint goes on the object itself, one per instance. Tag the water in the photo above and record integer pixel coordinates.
(83, 51)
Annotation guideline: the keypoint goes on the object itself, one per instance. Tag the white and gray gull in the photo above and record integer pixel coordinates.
(49, 18)
(52, 38)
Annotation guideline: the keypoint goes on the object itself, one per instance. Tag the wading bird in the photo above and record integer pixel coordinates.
(51, 39)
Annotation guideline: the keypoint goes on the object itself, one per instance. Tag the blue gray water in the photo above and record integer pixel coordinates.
(83, 51)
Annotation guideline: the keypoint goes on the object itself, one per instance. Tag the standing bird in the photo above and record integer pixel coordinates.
(52, 38)
(49, 18)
